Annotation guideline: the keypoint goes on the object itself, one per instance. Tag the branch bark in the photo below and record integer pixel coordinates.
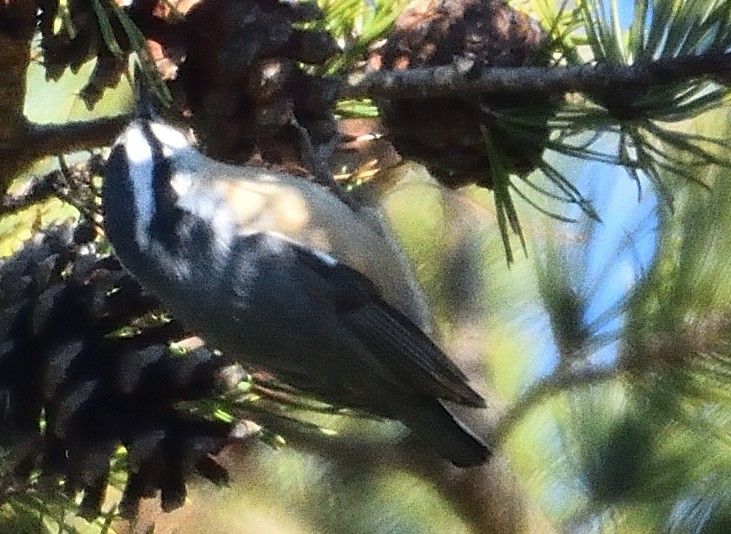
(17, 26)
(31, 141)
(458, 79)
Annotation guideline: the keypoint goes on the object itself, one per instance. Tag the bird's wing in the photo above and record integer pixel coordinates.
(396, 342)
(303, 211)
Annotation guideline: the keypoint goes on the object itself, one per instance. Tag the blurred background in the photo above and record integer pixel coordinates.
(603, 346)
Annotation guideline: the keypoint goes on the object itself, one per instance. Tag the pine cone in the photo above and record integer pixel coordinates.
(233, 66)
(61, 358)
(445, 133)
(244, 85)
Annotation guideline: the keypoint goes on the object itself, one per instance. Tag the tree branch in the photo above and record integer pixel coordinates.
(31, 141)
(73, 136)
(551, 385)
(457, 79)
(487, 497)
(17, 25)
(40, 189)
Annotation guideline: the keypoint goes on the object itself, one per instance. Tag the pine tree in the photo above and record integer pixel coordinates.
(570, 163)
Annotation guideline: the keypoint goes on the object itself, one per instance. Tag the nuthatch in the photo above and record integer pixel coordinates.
(280, 274)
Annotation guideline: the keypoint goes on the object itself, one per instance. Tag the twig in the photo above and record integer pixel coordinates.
(452, 80)
(321, 173)
(31, 141)
(41, 188)
(486, 497)
(72, 185)
(551, 385)
(73, 136)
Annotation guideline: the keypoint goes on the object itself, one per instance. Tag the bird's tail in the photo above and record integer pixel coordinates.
(432, 423)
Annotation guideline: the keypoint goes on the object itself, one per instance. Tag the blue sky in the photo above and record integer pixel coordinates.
(624, 244)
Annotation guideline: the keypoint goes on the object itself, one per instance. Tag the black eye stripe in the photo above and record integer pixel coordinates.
(167, 215)
(162, 171)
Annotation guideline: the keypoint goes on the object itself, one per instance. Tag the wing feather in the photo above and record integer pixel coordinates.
(390, 336)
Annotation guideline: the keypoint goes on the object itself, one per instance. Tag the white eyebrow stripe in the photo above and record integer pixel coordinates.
(168, 136)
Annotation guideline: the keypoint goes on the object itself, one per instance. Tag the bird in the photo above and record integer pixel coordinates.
(280, 274)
